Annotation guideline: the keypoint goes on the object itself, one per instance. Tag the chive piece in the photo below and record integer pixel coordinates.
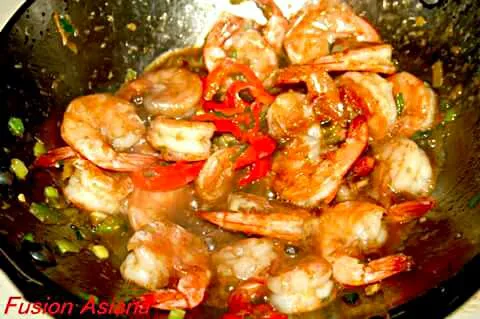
(130, 75)
(65, 246)
(177, 314)
(110, 225)
(474, 201)
(350, 298)
(400, 103)
(39, 148)
(450, 116)
(18, 168)
(51, 192)
(15, 125)
(66, 25)
(100, 251)
(28, 237)
(421, 135)
(444, 105)
(44, 213)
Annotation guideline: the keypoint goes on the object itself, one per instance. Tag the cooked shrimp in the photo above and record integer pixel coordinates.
(100, 127)
(323, 96)
(306, 287)
(375, 58)
(161, 254)
(241, 40)
(215, 180)
(377, 103)
(170, 92)
(319, 24)
(308, 183)
(420, 104)
(92, 189)
(403, 168)
(180, 140)
(340, 235)
(145, 207)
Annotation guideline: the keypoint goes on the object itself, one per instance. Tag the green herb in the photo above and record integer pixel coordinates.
(86, 296)
(225, 140)
(220, 114)
(421, 135)
(51, 192)
(130, 75)
(474, 201)
(39, 148)
(400, 103)
(44, 213)
(263, 120)
(444, 105)
(28, 237)
(100, 251)
(65, 246)
(109, 225)
(233, 54)
(350, 298)
(15, 125)
(177, 314)
(18, 168)
(450, 116)
(67, 25)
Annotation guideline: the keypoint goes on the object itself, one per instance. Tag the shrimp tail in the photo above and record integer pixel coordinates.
(52, 157)
(410, 210)
(166, 299)
(351, 272)
(376, 59)
(130, 162)
(274, 225)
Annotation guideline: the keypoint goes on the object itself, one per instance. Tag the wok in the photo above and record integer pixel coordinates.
(39, 77)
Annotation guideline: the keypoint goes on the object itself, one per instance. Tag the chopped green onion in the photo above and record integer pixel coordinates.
(28, 237)
(51, 192)
(444, 105)
(177, 314)
(400, 103)
(421, 135)
(110, 225)
(18, 168)
(67, 25)
(44, 213)
(97, 217)
(474, 201)
(15, 125)
(450, 116)
(130, 75)
(86, 296)
(65, 246)
(100, 251)
(350, 298)
(39, 148)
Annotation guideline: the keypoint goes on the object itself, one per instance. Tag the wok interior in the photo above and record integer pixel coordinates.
(40, 77)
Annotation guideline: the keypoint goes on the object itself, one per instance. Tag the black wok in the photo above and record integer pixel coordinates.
(39, 77)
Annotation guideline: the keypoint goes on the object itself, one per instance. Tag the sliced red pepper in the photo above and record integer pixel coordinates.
(220, 74)
(165, 178)
(259, 169)
(363, 166)
(260, 146)
(258, 93)
(52, 157)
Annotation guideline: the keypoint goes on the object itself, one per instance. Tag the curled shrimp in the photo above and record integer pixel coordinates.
(180, 140)
(162, 253)
(403, 168)
(308, 183)
(371, 94)
(101, 128)
(420, 104)
(215, 180)
(374, 58)
(92, 189)
(319, 24)
(323, 96)
(240, 39)
(173, 92)
(341, 234)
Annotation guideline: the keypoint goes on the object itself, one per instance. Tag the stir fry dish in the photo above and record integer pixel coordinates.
(260, 174)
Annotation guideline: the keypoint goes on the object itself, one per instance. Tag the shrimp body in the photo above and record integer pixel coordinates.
(180, 140)
(160, 252)
(92, 189)
(319, 24)
(173, 92)
(376, 94)
(309, 183)
(306, 287)
(215, 180)
(403, 167)
(420, 104)
(100, 127)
